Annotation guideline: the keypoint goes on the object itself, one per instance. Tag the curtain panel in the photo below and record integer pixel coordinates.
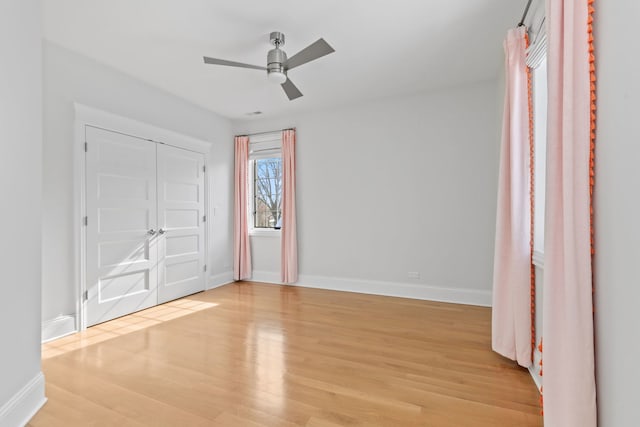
(569, 369)
(511, 313)
(241, 242)
(289, 242)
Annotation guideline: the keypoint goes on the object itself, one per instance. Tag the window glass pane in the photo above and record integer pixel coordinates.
(267, 192)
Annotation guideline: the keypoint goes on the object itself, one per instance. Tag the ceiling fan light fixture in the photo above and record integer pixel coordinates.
(276, 60)
(277, 77)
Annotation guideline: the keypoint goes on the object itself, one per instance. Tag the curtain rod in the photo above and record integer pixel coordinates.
(524, 15)
(264, 133)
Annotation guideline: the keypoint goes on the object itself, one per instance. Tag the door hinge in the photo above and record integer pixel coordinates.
(204, 218)
(85, 296)
(86, 146)
(86, 221)
(205, 267)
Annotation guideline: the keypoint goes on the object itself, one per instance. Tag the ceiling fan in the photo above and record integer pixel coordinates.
(277, 63)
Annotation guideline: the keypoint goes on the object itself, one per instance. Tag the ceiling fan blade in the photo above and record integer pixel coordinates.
(216, 61)
(291, 90)
(315, 50)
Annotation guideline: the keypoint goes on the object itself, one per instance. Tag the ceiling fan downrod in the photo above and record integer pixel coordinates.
(276, 59)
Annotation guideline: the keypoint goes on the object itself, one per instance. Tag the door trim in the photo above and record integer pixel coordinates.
(89, 116)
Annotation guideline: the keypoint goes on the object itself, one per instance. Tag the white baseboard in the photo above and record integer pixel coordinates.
(24, 404)
(534, 368)
(536, 378)
(59, 327)
(394, 289)
(220, 279)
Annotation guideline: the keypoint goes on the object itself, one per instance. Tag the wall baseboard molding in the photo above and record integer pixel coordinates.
(393, 289)
(24, 404)
(535, 377)
(266, 277)
(533, 369)
(221, 279)
(59, 327)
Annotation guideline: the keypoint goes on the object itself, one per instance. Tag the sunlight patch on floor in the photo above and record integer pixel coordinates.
(124, 325)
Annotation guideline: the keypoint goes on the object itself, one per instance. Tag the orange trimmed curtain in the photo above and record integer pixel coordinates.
(512, 299)
(569, 369)
(289, 239)
(241, 242)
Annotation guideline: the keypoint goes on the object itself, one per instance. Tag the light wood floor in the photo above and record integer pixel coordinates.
(251, 354)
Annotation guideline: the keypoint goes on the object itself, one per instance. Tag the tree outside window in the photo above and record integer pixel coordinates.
(267, 175)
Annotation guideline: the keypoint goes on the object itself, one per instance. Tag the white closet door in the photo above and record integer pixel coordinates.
(121, 239)
(181, 213)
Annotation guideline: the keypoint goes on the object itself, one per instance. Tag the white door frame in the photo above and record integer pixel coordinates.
(88, 116)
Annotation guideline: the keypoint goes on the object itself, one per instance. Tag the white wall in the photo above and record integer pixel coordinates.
(70, 77)
(617, 214)
(392, 186)
(20, 189)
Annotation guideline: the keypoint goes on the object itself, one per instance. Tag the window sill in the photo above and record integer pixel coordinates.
(538, 259)
(264, 233)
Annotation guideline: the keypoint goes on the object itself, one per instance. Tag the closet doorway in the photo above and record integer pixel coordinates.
(144, 224)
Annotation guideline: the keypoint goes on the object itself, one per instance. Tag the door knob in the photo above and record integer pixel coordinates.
(162, 231)
(151, 232)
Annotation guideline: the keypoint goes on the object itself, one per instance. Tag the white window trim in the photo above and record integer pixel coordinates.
(264, 232)
(538, 259)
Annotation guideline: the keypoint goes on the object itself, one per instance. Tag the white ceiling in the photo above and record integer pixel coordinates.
(383, 47)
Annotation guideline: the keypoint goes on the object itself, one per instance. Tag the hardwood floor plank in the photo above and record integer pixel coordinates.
(69, 409)
(251, 354)
(130, 404)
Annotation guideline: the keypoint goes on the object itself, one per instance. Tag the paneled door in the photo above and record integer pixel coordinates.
(181, 216)
(121, 225)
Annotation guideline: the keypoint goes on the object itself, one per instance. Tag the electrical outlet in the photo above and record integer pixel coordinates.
(413, 275)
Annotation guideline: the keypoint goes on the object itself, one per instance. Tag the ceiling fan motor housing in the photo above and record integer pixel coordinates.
(276, 58)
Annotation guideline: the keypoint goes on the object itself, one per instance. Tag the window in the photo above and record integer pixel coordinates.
(265, 183)
(267, 192)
